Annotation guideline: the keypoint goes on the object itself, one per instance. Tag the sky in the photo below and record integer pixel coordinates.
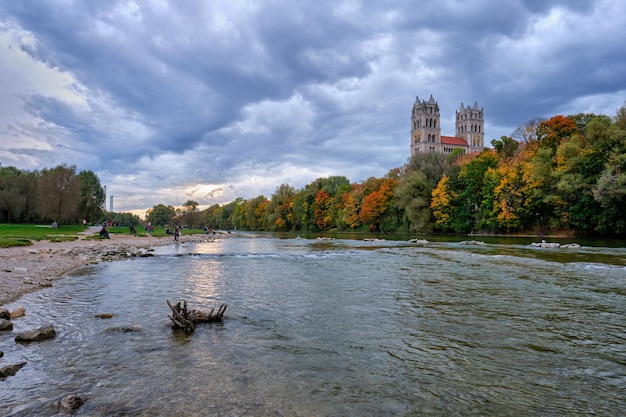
(170, 101)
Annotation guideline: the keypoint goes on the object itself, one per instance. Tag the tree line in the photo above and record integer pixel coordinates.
(58, 194)
(566, 174)
(557, 175)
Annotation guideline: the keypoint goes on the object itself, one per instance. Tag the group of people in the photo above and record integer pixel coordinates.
(104, 232)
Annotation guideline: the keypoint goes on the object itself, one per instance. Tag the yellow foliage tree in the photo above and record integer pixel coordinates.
(440, 203)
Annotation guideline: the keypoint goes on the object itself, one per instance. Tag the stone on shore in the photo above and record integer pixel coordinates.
(5, 314)
(43, 333)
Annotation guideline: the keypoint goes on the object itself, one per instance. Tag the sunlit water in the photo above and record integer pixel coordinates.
(332, 328)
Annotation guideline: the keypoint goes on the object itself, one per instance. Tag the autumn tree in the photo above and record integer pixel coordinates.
(279, 209)
(440, 204)
(553, 131)
(254, 213)
(351, 204)
(321, 213)
(378, 204)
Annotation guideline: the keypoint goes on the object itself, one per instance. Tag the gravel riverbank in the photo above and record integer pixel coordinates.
(29, 268)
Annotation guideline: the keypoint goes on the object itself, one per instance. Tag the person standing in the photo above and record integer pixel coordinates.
(176, 234)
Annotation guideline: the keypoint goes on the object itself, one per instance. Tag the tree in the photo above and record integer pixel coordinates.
(59, 194)
(620, 117)
(414, 190)
(610, 192)
(506, 147)
(254, 213)
(18, 190)
(378, 204)
(279, 215)
(553, 131)
(351, 202)
(442, 197)
(189, 214)
(91, 196)
(470, 199)
(321, 213)
(160, 215)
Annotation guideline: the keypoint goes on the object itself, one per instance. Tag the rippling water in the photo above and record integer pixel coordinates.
(332, 328)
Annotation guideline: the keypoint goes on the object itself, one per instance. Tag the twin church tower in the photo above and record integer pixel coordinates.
(426, 129)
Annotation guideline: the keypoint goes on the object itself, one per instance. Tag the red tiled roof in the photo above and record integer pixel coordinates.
(453, 140)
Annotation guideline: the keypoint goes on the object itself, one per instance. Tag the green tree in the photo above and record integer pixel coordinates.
(18, 190)
(414, 190)
(160, 215)
(59, 194)
(506, 147)
(471, 212)
(279, 210)
(610, 192)
(91, 196)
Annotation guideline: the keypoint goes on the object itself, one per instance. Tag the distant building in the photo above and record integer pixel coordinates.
(426, 129)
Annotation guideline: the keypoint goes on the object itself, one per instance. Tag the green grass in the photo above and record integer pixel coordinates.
(24, 234)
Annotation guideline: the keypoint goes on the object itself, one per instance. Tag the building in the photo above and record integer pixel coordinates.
(426, 129)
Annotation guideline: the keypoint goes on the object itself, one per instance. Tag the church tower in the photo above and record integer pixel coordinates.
(470, 125)
(426, 126)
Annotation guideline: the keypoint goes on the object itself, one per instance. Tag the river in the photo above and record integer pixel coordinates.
(340, 327)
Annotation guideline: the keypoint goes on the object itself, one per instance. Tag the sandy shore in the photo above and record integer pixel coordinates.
(27, 269)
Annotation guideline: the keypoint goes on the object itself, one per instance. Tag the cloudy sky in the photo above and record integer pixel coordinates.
(211, 100)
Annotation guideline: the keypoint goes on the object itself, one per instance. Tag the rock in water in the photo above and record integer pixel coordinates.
(43, 333)
(11, 370)
(71, 403)
(18, 312)
(5, 325)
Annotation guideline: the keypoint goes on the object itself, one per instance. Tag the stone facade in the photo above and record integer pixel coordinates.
(426, 129)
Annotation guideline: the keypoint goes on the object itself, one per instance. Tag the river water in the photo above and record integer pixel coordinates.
(332, 328)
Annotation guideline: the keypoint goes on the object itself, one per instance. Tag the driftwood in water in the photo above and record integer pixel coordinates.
(187, 319)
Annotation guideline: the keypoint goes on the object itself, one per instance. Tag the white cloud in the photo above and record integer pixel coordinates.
(217, 100)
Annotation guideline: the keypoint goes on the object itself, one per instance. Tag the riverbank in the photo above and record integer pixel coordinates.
(27, 269)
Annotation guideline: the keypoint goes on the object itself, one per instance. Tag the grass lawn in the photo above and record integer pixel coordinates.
(23, 234)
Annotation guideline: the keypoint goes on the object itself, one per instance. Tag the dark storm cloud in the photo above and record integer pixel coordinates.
(213, 100)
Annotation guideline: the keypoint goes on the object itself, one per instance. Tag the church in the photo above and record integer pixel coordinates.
(426, 129)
